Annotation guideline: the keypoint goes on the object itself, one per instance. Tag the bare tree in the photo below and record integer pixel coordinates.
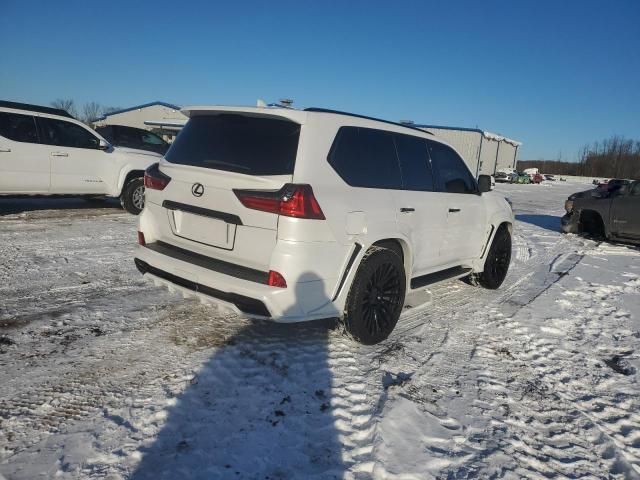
(90, 112)
(66, 104)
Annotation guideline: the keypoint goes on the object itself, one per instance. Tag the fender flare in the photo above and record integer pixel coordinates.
(127, 173)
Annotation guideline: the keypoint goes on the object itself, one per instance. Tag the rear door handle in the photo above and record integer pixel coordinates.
(454, 210)
(407, 210)
(6, 150)
(59, 154)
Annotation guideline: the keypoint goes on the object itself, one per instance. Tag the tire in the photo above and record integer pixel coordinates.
(376, 296)
(496, 265)
(132, 197)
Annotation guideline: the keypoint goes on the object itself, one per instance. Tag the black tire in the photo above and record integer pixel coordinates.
(132, 197)
(376, 296)
(496, 265)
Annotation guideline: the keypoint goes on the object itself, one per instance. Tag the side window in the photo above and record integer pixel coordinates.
(149, 138)
(20, 128)
(66, 134)
(365, 157)
(452, 174)
(635, 189)
(414, 163)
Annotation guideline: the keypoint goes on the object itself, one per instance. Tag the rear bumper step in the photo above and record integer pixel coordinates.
(247, 305)
(220, 266)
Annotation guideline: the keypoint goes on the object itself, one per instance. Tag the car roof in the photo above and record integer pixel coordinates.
(35, 108)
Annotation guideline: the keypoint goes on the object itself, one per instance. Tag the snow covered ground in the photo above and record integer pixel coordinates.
(103, 375)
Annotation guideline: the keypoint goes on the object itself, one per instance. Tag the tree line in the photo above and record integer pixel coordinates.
(615, 157)
(86, 113)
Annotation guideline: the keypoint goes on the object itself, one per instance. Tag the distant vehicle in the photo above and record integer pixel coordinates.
(550, 178)
(136, 138)
(531, 171)
(295, 215)
(45, 151)
(609, 213)
(520, 177)
(503, 177)
(536, 178)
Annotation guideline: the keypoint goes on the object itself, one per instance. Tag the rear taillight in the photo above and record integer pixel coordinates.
(292, 200)
(141, 240)
(155, 179)
(276, 280)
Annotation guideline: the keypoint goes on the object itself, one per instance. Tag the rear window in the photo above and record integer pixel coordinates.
(237, 143)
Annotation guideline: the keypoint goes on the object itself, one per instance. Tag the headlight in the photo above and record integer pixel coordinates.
(568, 206)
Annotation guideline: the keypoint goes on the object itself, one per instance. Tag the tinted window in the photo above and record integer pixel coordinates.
(236, 143)
(452, 174)
(365, 157)
(414, 163)
(66, 134)
(635, 189)
(21, 128)
(107, 133)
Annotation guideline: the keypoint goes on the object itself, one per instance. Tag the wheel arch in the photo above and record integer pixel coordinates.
(126, 176)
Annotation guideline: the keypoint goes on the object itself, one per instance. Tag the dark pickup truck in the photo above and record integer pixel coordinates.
(612, 213)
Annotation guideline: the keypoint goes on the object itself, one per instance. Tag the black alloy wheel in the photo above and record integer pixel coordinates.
(376, 297)
(496, 265)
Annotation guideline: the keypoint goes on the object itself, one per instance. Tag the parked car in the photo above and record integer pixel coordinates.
(503, 177)
(609, 213)
(297, 215)
(550, 178)
(45, 151)
(136, 138)
(536, 178)
(519, 177)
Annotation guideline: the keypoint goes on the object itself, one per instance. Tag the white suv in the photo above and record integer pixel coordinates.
(45, 151)
(297, 215)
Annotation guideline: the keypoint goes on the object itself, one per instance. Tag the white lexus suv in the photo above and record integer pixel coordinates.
(45, 151)
(294, 215)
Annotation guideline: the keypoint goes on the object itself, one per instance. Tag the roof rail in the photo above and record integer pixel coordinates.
(35, 108)
(337, 112)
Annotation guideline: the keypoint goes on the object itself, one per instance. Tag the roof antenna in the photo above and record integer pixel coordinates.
(407, 122)
(286, 102)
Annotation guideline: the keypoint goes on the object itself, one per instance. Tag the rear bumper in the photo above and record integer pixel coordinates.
(307, 296)
(246, 305)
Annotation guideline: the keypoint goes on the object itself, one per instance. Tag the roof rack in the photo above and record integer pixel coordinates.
(337, 112)
(35, 108)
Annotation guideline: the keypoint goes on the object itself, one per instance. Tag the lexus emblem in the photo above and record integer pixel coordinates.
(197, 189)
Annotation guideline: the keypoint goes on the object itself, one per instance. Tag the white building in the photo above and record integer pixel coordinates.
(484, 152)
(159, 117)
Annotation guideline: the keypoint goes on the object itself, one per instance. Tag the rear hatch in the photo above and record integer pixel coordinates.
(214, 154)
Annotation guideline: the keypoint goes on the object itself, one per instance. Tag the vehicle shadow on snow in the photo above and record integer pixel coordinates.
(548, 222)
(258, 408)
(13, 205)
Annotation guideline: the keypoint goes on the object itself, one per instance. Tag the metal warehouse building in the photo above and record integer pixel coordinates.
(484, 152)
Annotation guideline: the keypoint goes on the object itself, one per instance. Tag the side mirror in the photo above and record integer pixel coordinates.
(484, 183)
(104, 145)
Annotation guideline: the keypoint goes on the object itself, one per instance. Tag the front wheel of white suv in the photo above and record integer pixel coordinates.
(496, 265)
(376, 296)
(132, 197)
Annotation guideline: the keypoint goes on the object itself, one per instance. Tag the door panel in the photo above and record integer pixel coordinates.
(424, 226)
(625, 213)
(76, 160)
(24, 163)
(464, 235)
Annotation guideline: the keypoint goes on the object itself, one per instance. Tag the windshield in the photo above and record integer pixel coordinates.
(237, 143)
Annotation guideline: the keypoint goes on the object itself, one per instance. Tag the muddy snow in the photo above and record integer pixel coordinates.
(103, 375)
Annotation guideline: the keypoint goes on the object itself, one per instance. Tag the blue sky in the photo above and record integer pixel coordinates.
(553, 74)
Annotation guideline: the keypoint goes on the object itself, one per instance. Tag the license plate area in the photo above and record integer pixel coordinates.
(202, 229)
